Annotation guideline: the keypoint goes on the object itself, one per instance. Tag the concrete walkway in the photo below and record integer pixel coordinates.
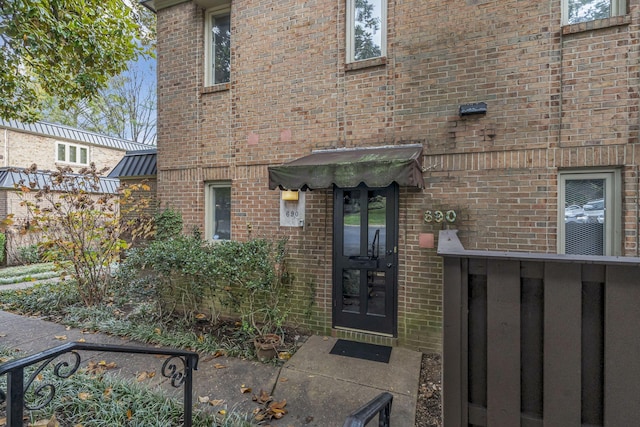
(321, 389)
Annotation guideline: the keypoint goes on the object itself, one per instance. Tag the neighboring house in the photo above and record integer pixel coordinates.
(398, 119)
(49, 146)
(139, 167)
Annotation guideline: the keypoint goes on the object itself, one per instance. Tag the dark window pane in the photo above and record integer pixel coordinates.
(221, 46)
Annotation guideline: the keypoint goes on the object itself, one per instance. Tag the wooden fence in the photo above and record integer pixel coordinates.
(539, 339)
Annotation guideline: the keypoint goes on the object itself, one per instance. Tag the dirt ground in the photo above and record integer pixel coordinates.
(429, 407)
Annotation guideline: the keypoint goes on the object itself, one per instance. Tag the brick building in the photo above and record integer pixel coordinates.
(522, 118)
(50, 145)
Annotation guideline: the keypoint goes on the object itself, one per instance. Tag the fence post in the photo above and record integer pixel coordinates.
(15, 396)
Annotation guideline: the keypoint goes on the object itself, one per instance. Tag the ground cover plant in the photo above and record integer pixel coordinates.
(28, 273)
(93, 398)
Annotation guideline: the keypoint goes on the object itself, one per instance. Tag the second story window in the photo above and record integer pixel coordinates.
(218, 46)
(576, 11)
(366, 29)
(72, 153)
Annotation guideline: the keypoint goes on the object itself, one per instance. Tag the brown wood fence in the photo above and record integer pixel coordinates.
(539, 339)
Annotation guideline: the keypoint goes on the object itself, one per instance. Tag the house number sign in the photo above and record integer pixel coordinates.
(292, 212)
(439, 216)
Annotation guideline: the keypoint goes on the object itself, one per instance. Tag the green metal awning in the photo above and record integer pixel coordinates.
(347, 168)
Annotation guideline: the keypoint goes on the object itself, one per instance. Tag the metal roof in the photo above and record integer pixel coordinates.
(136, 163)
(9, 177)
(73, 134)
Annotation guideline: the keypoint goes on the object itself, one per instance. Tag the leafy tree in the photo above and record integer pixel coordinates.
(63, 48)
(366, 26)
(80, 225)
(126, 108)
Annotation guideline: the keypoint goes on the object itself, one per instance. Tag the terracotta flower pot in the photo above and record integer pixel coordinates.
(266, 346)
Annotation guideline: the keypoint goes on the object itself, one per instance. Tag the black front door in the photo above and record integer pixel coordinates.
(365, 254)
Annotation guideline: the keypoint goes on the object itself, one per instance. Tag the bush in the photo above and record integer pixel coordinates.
(255, 282)
(3, 247)
(29, 254)
(178, 273)
(183, 272)
(168, 224)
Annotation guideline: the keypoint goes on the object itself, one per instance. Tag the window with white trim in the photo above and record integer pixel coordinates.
(366, 29)
(589, 212)
(72, 153)
(218, 210)
(576, 11)
(217, 58)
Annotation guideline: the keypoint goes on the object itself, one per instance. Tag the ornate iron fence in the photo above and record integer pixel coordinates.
(178, 367)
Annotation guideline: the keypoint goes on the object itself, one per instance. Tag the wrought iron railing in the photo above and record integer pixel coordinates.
(381, 406)
(18, 385)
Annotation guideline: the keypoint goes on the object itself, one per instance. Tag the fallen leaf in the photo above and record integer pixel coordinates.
(68, 328)
(219, 366)
(263, 397)
(216, 402)
(203, 399)
(244, 389)
(84, 396)
(60, 337)
(109, 365)
(129, 413)
(100, 367)
(81, 340)
(200, 316)
(157, 331)
(51, 422)
(2, 336)
(284, 355)
(283, 380)
(222, 412)
(107, 392)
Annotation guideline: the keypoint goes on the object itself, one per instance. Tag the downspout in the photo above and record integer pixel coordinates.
(5, 154)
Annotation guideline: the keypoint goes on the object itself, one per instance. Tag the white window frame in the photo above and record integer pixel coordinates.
(613, 204)
(350, 31)
(219, 10)
(67, 153)
(209, 211)
(618, 7)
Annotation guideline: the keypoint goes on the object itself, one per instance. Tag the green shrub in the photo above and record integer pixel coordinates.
(178, 273)
(255, 281)
(3, 247)
(168, 224)
(29, 254)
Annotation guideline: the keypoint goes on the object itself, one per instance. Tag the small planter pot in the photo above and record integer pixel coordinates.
(266, 346)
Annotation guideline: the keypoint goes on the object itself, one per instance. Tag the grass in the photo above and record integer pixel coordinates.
(101, 400)
(376, 217)
(27, 273)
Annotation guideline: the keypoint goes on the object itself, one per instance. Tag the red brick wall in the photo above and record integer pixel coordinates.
(557, 98)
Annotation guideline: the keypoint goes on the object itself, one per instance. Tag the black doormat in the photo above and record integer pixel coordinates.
(361, 350)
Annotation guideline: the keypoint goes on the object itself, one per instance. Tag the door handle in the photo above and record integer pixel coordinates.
(389, 265)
